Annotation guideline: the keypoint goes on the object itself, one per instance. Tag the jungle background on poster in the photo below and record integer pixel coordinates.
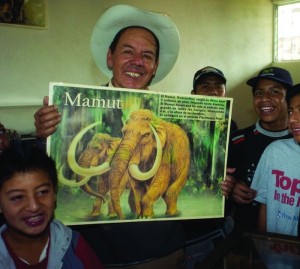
(104, 124)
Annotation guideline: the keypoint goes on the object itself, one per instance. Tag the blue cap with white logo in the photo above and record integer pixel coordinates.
(273, 73)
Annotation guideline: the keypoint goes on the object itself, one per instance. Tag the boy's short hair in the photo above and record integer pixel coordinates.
(295, 90)
(21, 159)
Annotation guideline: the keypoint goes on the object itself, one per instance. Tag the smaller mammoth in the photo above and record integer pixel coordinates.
(97, 155)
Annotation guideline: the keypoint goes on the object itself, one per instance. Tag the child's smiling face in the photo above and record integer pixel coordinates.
(294, 117)
(27, 201)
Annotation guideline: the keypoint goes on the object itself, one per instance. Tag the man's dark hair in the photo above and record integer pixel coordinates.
(21, 159)
(119, 34)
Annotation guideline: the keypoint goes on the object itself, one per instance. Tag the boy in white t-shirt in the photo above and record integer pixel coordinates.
(277, 177)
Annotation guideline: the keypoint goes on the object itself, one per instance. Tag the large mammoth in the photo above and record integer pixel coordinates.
(96, 158)
(154, 156)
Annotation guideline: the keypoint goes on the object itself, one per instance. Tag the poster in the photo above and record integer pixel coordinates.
(133, 155)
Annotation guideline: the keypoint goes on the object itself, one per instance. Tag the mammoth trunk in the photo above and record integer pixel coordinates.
(119, 167)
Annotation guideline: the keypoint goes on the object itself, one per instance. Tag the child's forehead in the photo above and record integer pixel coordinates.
(28, 179)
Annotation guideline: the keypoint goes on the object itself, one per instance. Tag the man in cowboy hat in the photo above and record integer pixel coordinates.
(135, 48)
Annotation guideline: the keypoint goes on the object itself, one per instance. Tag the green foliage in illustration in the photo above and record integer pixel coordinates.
(208, 146)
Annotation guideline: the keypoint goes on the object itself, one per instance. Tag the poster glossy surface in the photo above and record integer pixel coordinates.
(131, 155)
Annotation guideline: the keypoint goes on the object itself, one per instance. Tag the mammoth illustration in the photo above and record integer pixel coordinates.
(93, 161)
(154, 156)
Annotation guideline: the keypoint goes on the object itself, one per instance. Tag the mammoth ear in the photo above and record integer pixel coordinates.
(161, 134)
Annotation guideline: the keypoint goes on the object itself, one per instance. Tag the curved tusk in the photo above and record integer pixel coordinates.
(72, 183)
(83, 171)
(143, 176)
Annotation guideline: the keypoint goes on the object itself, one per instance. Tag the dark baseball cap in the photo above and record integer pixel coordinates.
(207, 71)
(273, 73)
(295, 90)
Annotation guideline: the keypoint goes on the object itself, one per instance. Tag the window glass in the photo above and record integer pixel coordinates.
(287, 32)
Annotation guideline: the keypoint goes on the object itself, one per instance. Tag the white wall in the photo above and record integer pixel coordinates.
(233, 35)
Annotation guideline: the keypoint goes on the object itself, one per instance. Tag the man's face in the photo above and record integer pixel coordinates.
(134, 60)
(270, 105)
(211, 86)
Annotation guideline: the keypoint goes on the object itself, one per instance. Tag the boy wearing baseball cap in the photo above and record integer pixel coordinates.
(209, 81)
(246, 146)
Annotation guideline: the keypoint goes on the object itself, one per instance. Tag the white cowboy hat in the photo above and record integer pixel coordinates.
(121, 16)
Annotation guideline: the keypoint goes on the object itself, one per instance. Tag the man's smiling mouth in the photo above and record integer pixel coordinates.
(133, 74)
(267, 109)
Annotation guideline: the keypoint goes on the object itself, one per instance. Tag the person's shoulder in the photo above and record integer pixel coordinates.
(250, 128)
(3, 227)
(233, 126)
(278, 149)
(240, 135)
(281, 144)
(60, 230)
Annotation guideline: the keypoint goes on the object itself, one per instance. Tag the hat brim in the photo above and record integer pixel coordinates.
(121, 16)
(253, 81)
